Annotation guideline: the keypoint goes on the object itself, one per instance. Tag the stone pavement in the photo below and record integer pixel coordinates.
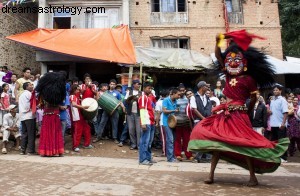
(35, 175)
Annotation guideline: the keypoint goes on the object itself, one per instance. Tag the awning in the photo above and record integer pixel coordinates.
(173, 58)
(113, 45)
(284, 67)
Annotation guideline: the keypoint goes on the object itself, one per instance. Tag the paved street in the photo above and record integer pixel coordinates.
(34, 175)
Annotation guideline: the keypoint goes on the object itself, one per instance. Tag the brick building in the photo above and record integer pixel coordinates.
(17, 56)
(193, 24)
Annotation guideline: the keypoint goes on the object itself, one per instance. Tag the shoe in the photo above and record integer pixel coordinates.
(146, 162)
(4, 151)
(116, 141)
(153, 161)
(32, 153)
(22, 153)
(96, 140)
(120, 144)
(179, 158)
(132, 148)
(283, 161)
(76, 149)
(88, 147)
(174, 161)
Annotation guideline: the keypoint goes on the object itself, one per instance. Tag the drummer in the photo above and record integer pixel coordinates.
(88, 90)
(170, 107)
(114, 117)
(182, 133)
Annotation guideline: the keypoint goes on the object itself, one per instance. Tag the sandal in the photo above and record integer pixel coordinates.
(4, 151)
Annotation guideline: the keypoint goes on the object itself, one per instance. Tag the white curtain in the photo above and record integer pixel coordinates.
(168, 5)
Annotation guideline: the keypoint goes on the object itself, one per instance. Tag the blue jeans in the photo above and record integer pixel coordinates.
(145, 143)
(114, 124)
(169, 143)
(97, 120)
(124, 133)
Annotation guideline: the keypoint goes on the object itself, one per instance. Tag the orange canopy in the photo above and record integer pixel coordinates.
(113, 45)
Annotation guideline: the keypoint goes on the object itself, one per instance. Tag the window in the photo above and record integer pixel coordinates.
(170, 43)
(168, 5)
(234, 11)
(62, 20)
(233, 5)
(103, 20)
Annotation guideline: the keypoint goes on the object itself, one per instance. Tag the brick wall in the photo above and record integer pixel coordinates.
(206, 20)
(15, 55)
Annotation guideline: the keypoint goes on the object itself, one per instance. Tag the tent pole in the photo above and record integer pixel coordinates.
(130, 75)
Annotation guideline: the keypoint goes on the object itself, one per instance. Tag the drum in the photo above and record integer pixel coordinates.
(108, 103)
(91, 112)
(177, 120)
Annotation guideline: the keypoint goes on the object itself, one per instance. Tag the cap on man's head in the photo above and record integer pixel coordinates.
(135, 82)
(11, 107)
(201, 84)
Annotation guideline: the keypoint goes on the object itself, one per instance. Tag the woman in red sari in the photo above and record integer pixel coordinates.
(228, 133)
(51, 91)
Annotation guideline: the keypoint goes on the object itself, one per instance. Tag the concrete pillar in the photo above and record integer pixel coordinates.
(125, 12)
(43, 68)
(42, 16)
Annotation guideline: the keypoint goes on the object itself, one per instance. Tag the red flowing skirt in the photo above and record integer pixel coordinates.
(231, 133)
(51, 138)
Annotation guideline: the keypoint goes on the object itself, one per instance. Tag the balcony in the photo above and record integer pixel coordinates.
(158, 18)
(235, 17)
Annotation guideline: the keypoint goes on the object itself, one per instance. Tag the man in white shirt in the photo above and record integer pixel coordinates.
(11, 125)
(12, 88)
(27, 119)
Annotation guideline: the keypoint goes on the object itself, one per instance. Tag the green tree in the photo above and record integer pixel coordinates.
(289, 11)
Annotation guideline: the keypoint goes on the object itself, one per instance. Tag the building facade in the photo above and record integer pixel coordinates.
(193, 24)
(93, 14)
(14, 55)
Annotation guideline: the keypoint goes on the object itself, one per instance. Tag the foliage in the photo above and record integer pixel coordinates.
(290, 21)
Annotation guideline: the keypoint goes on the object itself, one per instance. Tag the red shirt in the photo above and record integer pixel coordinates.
(146, 110)
(88, 91)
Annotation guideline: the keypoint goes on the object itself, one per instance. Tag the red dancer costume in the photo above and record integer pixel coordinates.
(52, 92)
(81, 127)
(228, 133)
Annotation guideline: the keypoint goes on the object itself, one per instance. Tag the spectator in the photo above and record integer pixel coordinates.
(27, 119)
(8, 74)
(12, 86)
(182, 133)
(11, 125)
(159, 119)
(133, 116)
(201, 107)
(278, 118)
(293, 129)
(259, 116)
(19, 83)
(148, 125)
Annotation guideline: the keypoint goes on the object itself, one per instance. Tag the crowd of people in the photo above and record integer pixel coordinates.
(144, 116)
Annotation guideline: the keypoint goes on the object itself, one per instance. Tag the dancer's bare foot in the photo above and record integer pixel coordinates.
(252, 183)
(210, 180)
